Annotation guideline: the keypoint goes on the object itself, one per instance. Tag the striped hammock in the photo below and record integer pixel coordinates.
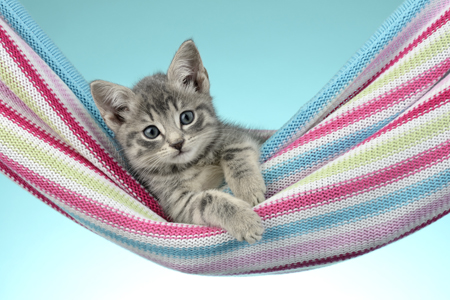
(363, 164)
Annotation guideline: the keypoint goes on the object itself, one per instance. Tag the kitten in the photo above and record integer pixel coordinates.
(181, 152)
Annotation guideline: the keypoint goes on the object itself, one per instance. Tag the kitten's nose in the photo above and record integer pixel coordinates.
(178, 144)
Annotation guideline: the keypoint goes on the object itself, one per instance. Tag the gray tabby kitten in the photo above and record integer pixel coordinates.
(181, 152)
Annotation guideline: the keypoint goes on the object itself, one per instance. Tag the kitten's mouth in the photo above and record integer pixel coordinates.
(182, 155)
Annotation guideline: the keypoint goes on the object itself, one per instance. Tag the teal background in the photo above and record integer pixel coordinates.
(265, 59)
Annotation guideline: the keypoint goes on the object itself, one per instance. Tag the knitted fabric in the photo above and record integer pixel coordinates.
(364, 163)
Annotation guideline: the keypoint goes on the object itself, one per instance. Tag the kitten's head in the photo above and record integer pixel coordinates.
(164, 119)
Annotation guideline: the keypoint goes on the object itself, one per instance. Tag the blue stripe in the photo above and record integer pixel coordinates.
(366, 210)
(356, 213)
(390, 28)
(320, 154)
(19, 19)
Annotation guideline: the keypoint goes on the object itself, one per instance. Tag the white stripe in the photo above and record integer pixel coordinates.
(398, 44)
(47, 111)
(299, 242)
(67, 161)
(365, 196)
(381, 162)
(61, 91)
(368, 121)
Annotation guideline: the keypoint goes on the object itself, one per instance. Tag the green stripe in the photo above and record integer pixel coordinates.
(41, 157)
(11, 81)
(381, 150)
(432, 49)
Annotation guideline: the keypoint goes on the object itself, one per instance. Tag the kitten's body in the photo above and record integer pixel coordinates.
(179, 150)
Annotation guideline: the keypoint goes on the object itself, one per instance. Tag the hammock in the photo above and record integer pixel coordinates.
(363, 164)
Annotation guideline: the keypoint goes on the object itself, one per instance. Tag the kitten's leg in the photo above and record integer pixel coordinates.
(215, 208)
(240, 163)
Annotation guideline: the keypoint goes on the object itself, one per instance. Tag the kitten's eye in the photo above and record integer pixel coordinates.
(151, 132)
(186, 117)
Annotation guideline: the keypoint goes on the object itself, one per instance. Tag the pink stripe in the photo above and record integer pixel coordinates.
(413, 28)
(17, 119)
(423, 108)
(437, 101)
(432, 11)
(365, 110)
(26, 125)
(13, 176)
(16, 103)
(346, 120)
(355, 186)
(137, 190)
(362, 238)
(49, 77)
(337, 258)
(397, 43)
(109, 216)
(77, 201)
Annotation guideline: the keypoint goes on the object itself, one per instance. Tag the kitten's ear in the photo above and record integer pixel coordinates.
(187, 70)
(113, 101)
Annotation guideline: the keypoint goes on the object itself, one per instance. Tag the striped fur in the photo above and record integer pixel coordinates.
(181, 152)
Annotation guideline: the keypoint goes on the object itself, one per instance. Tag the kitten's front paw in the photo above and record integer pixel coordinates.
(230, 213)
(251, 189)
(246, 226)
